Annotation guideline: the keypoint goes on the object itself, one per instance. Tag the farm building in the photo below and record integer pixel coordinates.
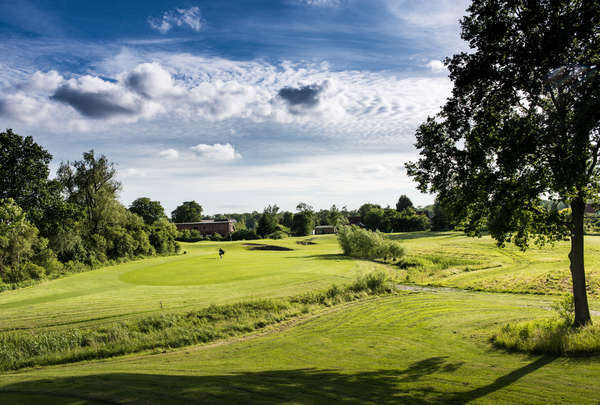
(324, 229)
(208, 227)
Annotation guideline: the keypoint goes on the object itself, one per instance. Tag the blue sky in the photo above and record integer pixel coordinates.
(234, 104)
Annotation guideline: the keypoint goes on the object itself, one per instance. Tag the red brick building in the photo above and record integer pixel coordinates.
(208, 227)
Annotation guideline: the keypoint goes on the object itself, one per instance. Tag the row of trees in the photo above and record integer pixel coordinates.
(72, 222)
(273, 222)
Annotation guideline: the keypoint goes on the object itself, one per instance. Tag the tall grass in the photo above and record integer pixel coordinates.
(20, 349)
(553, 336)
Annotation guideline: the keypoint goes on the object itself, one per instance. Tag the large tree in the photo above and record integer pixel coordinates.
(522, 125)
(188, 211)
(23, 172)
(150, 211)
(91, 183)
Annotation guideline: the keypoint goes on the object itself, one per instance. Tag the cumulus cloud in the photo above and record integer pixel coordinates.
(307, 96)
(179, 17)
(25, 109)
(96, 98)
(436, 66)
(216, 151)
(170, 154)
(151, 80)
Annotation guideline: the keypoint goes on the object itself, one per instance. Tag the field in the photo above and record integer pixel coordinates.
(419, 345)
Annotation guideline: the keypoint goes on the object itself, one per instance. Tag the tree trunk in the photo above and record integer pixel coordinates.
(582, 311)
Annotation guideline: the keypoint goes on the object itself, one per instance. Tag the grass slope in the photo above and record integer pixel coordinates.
(425, 347)
(179, 283)
(454, 260)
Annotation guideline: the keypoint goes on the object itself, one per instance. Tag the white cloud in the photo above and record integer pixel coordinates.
(170, 154)
(132, 172)
(328, 3)
(186, 88)
(151, 80)
(180, 17)
(436, 66)
(216, 151)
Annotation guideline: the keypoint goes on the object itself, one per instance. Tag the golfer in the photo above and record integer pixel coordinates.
(221, 253)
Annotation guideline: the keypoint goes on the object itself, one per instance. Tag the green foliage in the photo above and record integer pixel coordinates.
(244, 234)
(18, 243)
(521, 126)
(440, 220)
(287, 219)
(403, 203)
(302, 224)
(565, 309)
(361, 243)
(555, 337)
(390, 220)
(23, 172)
(189, 211)
(277, 235)
(268, 221)
(150, 211)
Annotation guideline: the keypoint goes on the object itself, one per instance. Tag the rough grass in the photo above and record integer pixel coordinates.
(20, 349)
(414, 348)
(553, 336)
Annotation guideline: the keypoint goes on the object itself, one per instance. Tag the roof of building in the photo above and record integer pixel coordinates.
(324, 226)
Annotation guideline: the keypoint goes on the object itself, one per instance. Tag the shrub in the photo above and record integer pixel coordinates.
(244, 234)
(357, 242)
(277, 235)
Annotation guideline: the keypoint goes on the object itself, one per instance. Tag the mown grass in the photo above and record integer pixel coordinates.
(20, 349)
(454, 260)
(180, 283)
(414, 348)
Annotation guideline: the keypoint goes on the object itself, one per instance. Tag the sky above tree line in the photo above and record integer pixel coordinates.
(234, 104)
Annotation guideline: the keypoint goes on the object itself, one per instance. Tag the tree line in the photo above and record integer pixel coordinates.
(69, 223)
(274, 223)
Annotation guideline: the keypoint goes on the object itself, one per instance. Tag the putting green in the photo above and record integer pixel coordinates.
(179, 283)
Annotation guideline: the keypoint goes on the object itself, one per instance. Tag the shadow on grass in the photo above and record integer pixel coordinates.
(408, 386)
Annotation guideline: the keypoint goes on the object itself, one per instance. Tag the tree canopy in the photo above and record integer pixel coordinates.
(23, 171)
(403, 203)
(189, 211)
(522, 125)
(150, 211)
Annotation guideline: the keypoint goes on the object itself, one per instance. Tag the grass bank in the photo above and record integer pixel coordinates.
(20, 349)
(429, 347)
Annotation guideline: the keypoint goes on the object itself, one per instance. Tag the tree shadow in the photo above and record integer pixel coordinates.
(304, 386)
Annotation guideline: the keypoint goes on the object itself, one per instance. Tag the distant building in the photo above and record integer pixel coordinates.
(208, 227)
(324, 229)
(356, 221)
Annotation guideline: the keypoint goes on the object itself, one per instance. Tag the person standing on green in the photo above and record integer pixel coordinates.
(221, 253)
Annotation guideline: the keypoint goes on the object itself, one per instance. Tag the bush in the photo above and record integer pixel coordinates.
(217, 237)
(244, 234)
(361, 243)
(277, 235)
